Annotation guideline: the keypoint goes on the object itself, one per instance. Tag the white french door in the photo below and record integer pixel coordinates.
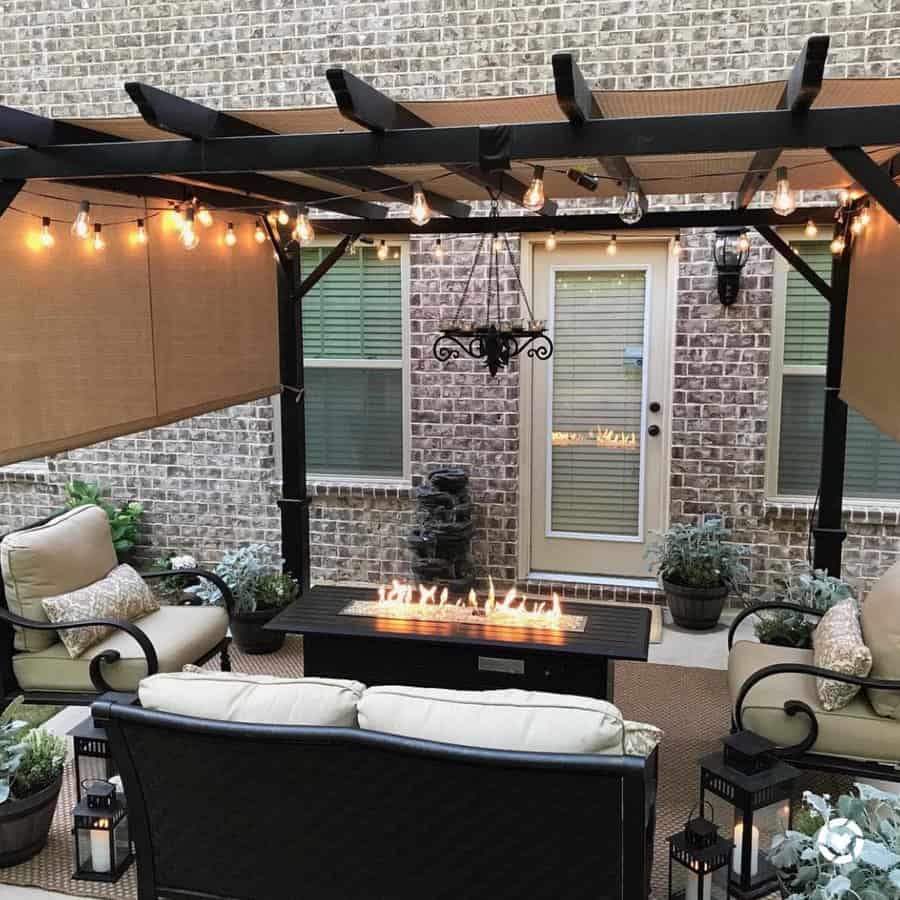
(597, 425)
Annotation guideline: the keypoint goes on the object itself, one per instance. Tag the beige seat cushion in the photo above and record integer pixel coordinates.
(67, 553)
(854, 731)
(259, 699)
(502, 720)
(880, 620)
(180, 634)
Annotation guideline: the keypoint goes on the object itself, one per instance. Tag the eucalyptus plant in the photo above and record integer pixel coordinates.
(864, 828)
(699, 556)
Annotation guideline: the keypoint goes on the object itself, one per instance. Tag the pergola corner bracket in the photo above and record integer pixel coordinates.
(322, 268)
(781, 246)
(875, 179)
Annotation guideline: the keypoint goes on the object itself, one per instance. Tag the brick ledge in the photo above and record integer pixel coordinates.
(872, 515)
(401, 490)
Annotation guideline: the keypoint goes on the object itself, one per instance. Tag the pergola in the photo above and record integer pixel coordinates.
(369, 148)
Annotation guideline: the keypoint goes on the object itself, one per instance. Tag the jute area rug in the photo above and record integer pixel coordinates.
(690, 705)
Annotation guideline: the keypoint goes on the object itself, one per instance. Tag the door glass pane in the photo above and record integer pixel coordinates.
(598, 331)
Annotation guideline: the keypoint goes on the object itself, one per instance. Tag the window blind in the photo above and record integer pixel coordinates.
(598, 331)
(872, 468)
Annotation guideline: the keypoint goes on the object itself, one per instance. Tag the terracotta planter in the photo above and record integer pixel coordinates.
(249, 635)
(25, 824)
(697, 609)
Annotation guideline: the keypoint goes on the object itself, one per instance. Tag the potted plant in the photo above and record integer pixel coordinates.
(814, 588)
(844, 850)
(172, 588)
(697, 568)
(30, 780)
(260, 591)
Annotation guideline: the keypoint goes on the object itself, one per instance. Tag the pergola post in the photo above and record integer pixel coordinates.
(829, 532)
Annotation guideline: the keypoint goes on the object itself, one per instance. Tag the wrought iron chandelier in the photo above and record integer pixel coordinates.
(494, 340)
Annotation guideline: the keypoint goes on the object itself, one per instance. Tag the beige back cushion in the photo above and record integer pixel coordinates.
(500, 720)
(258, 699)
(880, 620)
(67, 553)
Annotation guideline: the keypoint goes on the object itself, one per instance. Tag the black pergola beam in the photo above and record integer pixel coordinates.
(9, 190)
(322, 269)
(365, 105)
(577, 101)
(874, 178)
(463, 145)
(796, 261)
(802, 87)
(177, 191)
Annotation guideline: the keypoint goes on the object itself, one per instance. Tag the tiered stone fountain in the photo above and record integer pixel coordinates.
(440, 541)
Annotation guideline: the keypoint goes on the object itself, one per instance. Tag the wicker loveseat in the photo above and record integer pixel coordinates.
(68, 552)
(773, 692)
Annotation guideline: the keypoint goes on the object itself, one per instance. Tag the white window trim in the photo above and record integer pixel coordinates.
(401, 481)
(777, 371)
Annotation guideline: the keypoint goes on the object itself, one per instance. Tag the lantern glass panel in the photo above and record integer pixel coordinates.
(93, 759)
(102, 844)
(687, 884)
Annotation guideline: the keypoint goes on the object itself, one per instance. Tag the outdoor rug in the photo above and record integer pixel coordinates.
(649, 693)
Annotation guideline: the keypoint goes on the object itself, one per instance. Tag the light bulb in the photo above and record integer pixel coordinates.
(844, 196)
(865, 215)
(303, 232)
(439, 251)
(177, 217)
(676, 247)
(46, 237)
(497, 243)
(550, 243)
(353, 249)
(282, 217)
(420, 211)
(785, 202)
(140, 234)
(272, 217)
(857, 226)
(534, 198)
(811, 230)
(259, 235)
(612, 248)
(81, 227)
(98, 242)
(189, 237)
(382, 250)
(631, 212)
(837, 245)
(230, 236)
(204, 217)
(743, 242)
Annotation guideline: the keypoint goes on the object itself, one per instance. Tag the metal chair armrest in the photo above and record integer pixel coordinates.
(217, 580)
(760, 607)
(107, 656)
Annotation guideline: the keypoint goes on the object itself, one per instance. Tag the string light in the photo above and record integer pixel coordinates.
(382, 253)
(99, 243)
(857, 225)
(811, 230)
(439, 251)
(46, 237)
(838, 244)
(81, 226)
(303, 232)
(583, 179)
(550, 243)
(785, 201)
(230, 236)
(204, 217)
(865, 215)
(282, 217)
(420, 211)
(534, 198)
(612, 248)
(259, 235)
(631, 211)
(141, 234)
(676, 247)
(844, 197)
(189, 236)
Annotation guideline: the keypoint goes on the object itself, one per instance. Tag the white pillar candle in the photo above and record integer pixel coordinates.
(692, 891)
(738, 852)
(100, 861)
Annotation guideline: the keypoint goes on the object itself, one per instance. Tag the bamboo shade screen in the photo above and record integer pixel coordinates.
(94, 345)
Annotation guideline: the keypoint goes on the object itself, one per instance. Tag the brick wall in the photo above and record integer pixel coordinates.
(209, 483)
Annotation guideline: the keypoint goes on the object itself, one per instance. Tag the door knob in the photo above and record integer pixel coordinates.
(653, 430)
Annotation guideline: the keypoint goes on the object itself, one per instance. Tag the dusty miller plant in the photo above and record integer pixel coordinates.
(12, 749)
(252, 574)
(699, 556)
(872, 875)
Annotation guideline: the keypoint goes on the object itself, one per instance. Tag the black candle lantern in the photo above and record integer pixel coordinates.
(730, 251)
(748, 786)
(93, 759)
(699, 861)
(102, 839)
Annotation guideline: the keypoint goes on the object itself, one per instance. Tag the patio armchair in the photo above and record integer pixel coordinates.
(68, 552)
(773, 693)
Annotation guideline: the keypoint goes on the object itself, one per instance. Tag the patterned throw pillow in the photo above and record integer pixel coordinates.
(838, 645)
(123, 594)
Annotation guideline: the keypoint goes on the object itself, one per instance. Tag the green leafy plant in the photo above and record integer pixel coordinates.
(252, 574)
(12, 749)
(699, 556)
(871, 837)
(813, 588)
(172, 562)
(40, 764)
(124, 520)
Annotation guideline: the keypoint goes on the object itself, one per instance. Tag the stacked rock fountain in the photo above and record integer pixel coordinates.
(440, 541)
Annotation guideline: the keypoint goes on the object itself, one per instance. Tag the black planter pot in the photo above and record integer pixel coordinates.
(249, 636)
(25, 824)
(697, 609)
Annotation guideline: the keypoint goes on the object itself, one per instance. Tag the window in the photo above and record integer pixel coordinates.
(800, 338)
(355, 350)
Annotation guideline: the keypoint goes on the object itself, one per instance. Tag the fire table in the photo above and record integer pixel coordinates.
(463, 655)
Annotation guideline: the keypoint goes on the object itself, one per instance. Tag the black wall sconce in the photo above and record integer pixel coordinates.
(730, 251)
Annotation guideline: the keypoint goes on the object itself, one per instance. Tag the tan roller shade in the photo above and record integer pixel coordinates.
(98, 344)
(871, 375)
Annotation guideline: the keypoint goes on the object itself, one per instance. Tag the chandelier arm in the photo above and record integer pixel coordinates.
(465, 292)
